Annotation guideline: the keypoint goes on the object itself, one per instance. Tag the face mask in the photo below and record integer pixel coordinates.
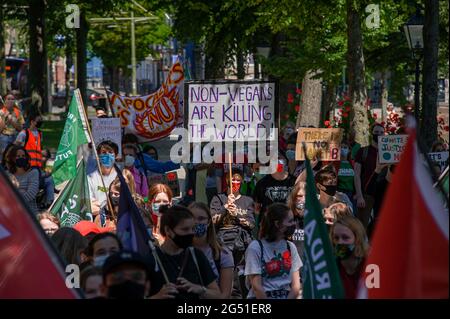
(39, 124)
(236, 186)
(126, 290)
(289, 231)
(375, 138)
(330, 190)
(183, 241)
(281, 166)
(107, 160)
(115, 200)
(200, 230)
(344, 153)
(300, 205)
(155, 209)
(344, 251)
(100, 260)
(258, 175)
(129, 160)
(21, 162)
(290, 154)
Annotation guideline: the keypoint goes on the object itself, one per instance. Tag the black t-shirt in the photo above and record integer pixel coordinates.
(269, 190)
(173, 264)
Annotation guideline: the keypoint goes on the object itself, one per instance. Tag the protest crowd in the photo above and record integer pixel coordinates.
(237, 234)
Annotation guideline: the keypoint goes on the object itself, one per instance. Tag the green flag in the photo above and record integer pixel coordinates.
(74, 203)
(74, 135)
(322, 280)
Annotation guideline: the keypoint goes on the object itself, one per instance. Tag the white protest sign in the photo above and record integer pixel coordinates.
(439, 157)
(390, 148)
(231, 111)
(107, 129)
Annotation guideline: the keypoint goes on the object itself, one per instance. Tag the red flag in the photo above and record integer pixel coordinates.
(29, 265)
(410, 242)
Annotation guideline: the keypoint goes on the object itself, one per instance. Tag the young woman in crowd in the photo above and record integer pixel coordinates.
(158, 195)
(91, 281)
(130, 152)
(189, 274)
(18, 164)
(49, 223)
(220, 259)
(350, 245)
(272, 264)
(70, 244)
(296, 203)
(345, 173)
(101, 247)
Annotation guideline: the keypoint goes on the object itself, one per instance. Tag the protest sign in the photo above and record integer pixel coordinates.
(390, 148)
(107, 129)
(172, 181)
(321, 143)
(152, 117)
(439, 157)
(230, 111)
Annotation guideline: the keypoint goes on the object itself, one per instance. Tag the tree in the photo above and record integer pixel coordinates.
(428, 127)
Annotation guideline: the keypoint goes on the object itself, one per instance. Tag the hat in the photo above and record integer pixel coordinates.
(86, 227)
(124, 257)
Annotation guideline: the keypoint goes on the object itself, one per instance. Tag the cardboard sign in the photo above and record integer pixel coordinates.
(173, 182)
(390, 148)
(321, 143)
(107, 129)
(230, 111)
(439, 157)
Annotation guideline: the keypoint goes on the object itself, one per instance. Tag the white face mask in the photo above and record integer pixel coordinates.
(129, 160)
(100, 260)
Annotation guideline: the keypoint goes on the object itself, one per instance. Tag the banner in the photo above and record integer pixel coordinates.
(74, 203)
(322, 280)
(30, 267)
(230, 111)
(322, 143)
(390, 148)
(152, 117)
(107, 129)
(439, 157)
(74, 135)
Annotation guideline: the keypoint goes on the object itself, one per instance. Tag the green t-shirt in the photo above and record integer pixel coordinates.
(355, 150)
(345, 177)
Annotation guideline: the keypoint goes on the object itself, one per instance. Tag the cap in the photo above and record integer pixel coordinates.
(86, 227)
(124, 257)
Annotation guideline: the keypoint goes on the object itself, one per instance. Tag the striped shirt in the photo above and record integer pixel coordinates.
(29, 187)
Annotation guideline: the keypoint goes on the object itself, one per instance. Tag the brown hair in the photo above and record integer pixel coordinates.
(211, 236)
(276, 212)
(88, 272)
(357, 228)
(325, 174)
(293, 196)
(70, 243)
(340, 210)
(11, 158)
(48, 216)
(155, 189)
(129, 178)
(172, 216)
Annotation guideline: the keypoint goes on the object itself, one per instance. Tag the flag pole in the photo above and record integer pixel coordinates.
(231, 174)
(158, 260)
(108, 201)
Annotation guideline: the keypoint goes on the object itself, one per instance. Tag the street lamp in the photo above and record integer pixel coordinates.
(263, 49)
(414, 35)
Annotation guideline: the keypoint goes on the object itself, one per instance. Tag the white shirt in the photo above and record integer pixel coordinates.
(96, 189)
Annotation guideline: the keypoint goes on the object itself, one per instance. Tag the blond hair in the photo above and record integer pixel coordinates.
(357, 228)
(292, 197)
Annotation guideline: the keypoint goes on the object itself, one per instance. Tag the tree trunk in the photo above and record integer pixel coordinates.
(311, 101)
(81, 39)
(114, 78)
(255, 63)
(384, 96)
(428, 127)
(38, 58)
(329, 101)
(356, 76)
(240, 65)
(2, 52)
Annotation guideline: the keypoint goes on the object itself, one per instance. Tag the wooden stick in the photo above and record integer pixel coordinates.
(231, 173)
(77, 94)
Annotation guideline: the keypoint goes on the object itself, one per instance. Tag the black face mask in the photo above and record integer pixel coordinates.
(183, 241)
(126, 290)
(21, 162)
(38, 124)
(375, 138)
(289, 231)
(330, 190)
